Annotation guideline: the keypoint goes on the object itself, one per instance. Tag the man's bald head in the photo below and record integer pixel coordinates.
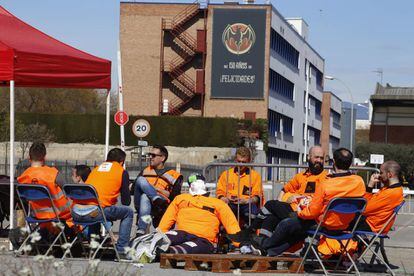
(316, 151)
(391, 167)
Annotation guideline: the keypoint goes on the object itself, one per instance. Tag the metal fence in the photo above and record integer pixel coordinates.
(275, 176)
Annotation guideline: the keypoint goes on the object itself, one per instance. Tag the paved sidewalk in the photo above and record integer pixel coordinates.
(400, 251)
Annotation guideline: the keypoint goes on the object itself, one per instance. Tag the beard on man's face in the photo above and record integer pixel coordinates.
(315, 167)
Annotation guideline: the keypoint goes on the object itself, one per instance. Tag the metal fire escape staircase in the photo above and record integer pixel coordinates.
(182, 85)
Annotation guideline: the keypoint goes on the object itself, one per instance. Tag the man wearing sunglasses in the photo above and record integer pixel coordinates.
(241, 187)
(155, 187)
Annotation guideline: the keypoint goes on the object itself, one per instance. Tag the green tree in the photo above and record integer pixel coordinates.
(403, 154)
(54, 100)
(24, 134)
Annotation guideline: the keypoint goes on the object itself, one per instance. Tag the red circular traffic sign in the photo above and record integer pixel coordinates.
(121, 118)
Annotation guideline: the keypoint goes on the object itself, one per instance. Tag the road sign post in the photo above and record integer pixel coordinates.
(141, 129)
(121, 118)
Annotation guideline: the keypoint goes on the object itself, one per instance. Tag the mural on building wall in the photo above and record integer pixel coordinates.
(238, 54)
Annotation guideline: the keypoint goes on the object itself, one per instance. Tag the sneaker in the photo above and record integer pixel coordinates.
(124, 257)
(246, 249)
(256, 246)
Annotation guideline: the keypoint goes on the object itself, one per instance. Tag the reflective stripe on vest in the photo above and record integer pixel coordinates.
(50, 209)
(153, 178)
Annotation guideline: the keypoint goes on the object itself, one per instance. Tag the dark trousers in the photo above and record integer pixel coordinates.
(186, 243)
(290, 231)
(270, 215)
(362, 225)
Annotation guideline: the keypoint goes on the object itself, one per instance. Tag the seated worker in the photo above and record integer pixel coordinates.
(341, 183)
(40, 174)
(156, 186)
(80, 173)
(241, 187)
(111, 180)
(380, 206)
(197, 218)
(298, 190)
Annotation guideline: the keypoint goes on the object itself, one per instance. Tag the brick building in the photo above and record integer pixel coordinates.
(224, 60)
(393, 115)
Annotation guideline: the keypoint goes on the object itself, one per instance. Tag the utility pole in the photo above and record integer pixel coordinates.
(379, 72)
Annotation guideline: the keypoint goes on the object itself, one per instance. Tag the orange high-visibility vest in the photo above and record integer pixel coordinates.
(200, 216)
(107, 181)
(46, 176)
(231, 184)
(165, 181)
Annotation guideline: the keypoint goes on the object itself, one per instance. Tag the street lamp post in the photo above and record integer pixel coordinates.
(305, 130)
(352, 107)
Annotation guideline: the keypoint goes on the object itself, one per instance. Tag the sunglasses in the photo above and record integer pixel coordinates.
(153, 155)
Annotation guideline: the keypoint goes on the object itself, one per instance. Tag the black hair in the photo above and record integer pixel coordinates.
(117, 155)
(343, 158)
(37, 152)
(163, 150)
(83, 171)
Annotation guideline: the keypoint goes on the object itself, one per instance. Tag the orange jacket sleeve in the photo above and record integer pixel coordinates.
(169, 217)
(221, 185)
(227, 218)
(375, 202)
(293, 185)
(314, 209)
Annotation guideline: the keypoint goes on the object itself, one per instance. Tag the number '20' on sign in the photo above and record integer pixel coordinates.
(141, 128)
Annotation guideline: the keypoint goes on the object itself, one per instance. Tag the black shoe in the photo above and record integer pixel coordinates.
(241, 236)
(256, 243)
(160, 203)
(124, 257)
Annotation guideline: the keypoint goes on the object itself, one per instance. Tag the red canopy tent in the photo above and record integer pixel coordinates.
(29, 57)
(32, 58)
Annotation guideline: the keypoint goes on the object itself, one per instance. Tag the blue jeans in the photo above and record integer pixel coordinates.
(144, 194)
(114, 213)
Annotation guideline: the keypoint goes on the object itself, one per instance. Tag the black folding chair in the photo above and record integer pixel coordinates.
(85, 192)
(36, 193)
(339, 206)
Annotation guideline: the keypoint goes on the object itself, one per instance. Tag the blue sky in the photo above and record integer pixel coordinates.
(355, 37)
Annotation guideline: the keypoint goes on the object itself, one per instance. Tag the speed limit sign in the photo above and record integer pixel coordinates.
(141, 128)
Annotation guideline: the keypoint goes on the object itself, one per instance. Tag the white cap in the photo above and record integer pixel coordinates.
(198, 187)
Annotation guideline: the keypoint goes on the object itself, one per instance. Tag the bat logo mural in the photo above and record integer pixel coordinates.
(238, 38)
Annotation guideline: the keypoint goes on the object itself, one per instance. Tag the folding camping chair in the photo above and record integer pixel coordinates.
(377, 238)
(33, 193)
(79, 193)
(339, 206)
